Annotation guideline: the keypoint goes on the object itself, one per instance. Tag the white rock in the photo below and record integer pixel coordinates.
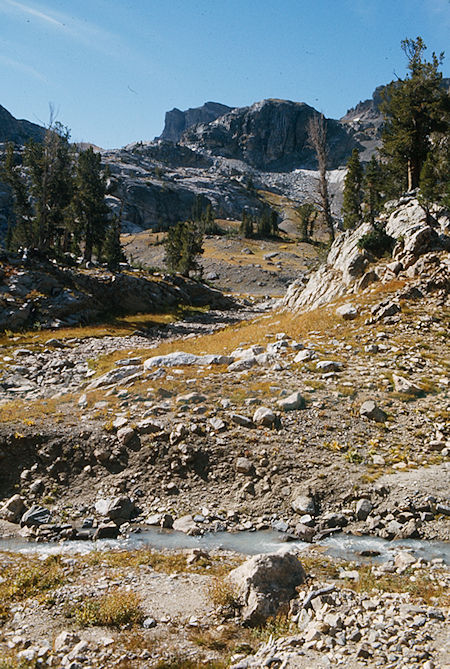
(190, 398)
(293, 402)
(13, 509)
(264, 416)
(242, 364)
(329, 366)
(304, 356)
(303, 504)
(82, 401)
(403, 385)
(115, 375)
(247, 352)
(347, 312)
(119, 422)
(180, 359)
(264, 582)
(125, 435)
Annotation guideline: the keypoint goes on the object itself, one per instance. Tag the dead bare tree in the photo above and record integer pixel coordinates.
(317, 138)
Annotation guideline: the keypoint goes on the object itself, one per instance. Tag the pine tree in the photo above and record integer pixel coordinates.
(20, 225)
(112, 249)
(50, 166)
(429, 192)
(274, 220)
(307, 212)
(264, 223)
(372, 190)
(352, 198)
(414, 108)
(246, 228)
(183, 245)
(90, 209)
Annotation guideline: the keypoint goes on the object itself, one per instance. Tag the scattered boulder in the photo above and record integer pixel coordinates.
(116, 375)
(242, 364)
(37, 515)
(186, 524)
(327, 366)
(264, 583)
(363, 509)
(106, 531)
(402, 385)
(371, 410)
(13, 509)
(403, 560)
(148, 426)
(304, 504)
(243, 421)
(180, 359)
(304, 532)
(217, 424)
(190, 398)
(292, 402)
(120, 509)
(347, 311)
(305, 355)
(126, 435)
(244, 466)
(264, 416)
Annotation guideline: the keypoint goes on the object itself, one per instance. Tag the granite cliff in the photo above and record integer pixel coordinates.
(177, 121)
(269, 135)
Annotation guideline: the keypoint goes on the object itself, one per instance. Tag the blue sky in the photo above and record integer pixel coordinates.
(111, 68)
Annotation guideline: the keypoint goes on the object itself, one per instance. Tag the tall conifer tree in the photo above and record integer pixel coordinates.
(414, 108)
(372, 190)
(90, 209)
(351, 206)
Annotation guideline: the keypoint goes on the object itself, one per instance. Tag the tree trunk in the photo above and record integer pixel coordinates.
(413, 174)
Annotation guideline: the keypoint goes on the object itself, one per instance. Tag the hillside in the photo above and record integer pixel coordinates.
(319, 425)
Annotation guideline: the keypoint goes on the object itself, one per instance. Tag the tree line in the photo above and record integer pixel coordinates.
(415, 151)
(59, 203)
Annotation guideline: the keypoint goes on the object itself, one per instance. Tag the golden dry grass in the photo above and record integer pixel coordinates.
(31, 412)
(118, 327)
(121, 608)
(164, 562)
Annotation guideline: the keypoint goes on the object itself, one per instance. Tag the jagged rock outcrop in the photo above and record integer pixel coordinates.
(18, 131)
(38, 291)
(365, 122)
(177, 121)
(269, 135)
(349, 268)
(345, 264)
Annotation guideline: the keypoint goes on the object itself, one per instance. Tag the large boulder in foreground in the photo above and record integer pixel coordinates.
(264, 583)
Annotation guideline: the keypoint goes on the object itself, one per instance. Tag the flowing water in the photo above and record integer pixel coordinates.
(345, 546)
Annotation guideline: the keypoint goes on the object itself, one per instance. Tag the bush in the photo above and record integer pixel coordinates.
(223, 594)
(117, 609)
(377, 242)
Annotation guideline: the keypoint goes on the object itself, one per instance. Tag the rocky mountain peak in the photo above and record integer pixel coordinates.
(270, 135)
(177, 121)
(18, 131)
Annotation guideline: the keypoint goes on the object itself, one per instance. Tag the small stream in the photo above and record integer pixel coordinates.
(345, 546)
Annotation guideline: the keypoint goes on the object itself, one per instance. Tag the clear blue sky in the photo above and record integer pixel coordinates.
(112, 68)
